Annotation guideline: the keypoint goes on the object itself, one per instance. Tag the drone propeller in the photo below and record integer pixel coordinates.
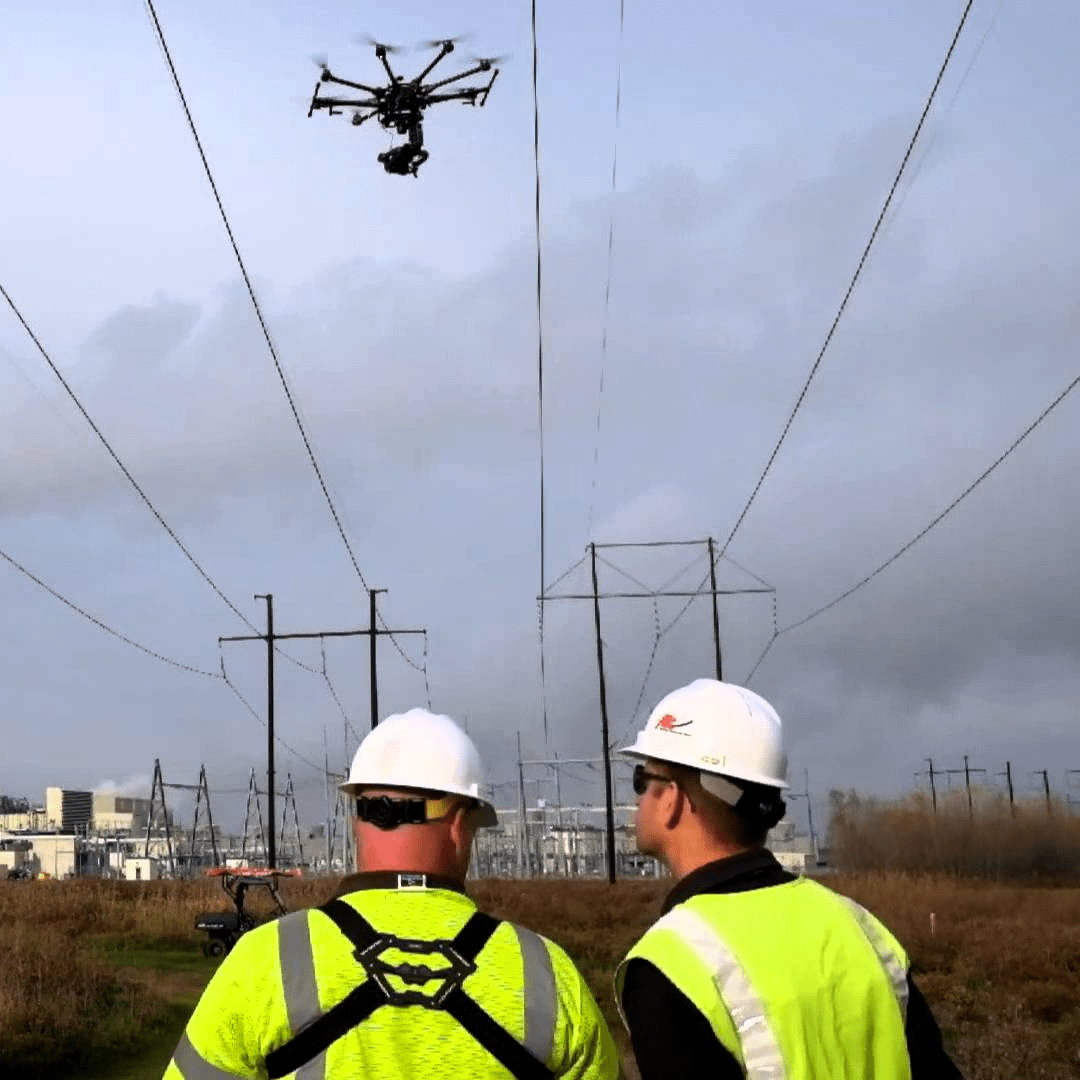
(367, 39)
(487, 62)
(321, 60)
(438, 43)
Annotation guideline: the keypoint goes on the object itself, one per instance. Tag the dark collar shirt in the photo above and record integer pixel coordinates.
(672, 1038)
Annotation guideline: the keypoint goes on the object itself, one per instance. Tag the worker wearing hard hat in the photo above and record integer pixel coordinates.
(400, 975)
(752, 971)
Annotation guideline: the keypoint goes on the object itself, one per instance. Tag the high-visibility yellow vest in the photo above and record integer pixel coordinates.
(796, 981)
(282, 977)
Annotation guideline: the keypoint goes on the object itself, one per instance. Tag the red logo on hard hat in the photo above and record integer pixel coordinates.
(667, 722)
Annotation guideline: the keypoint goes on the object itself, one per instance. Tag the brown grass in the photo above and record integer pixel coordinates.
(989, 841)
(1001, 970)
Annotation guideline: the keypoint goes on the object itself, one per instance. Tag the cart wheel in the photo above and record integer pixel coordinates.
(214, 948)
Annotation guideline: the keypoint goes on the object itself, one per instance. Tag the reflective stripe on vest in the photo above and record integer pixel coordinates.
(761, 1051)
(892, 964)
(297, 964)
(541, 1000)
(193, 1066)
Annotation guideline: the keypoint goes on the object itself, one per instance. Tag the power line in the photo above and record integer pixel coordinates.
(948, 509)
(935, 521)
(933, 138)
(135, 484)
(334, 693)
(251, 293)
(539, 356)
(607, 286)
(265, 328)
(851, 286)
(112, 453)
(320, 769)
(223, 676)
(108, 629)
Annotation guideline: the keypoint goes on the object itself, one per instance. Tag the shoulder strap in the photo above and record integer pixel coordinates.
(494, 1038)
(347, 1014)
(329, 1027)
(474, 935)
(361, 1002)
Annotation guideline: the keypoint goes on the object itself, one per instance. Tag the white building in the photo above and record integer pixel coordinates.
(140, 869)
(112, 813)
(68, 810)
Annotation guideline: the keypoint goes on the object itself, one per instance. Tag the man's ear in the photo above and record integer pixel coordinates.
(461, 824)
(673, 805)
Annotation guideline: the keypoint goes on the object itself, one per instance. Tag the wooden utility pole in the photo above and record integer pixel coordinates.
(1046, 785)
(610, 809)
(715, 612)
(596, 596)
(1008, 779)
(967, 771)
(270, 637)
(933, 787)
(373, 635)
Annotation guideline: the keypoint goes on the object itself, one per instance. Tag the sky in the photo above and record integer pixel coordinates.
(755, 149)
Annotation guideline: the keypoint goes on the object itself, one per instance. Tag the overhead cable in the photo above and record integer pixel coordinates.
(263, 324)
(607, 286)
(134, 483)
(539, 359)
(851, 286)
(123, 468)
(320, 769)
(926, 529)
(104, 626)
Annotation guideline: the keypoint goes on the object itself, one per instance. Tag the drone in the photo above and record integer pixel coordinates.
(401, 104)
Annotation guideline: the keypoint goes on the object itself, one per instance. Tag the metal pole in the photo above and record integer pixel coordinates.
(326, 785)
(604, 724)
(271, 850)
(1046, 785)
(522, 846)
(715, 613)
(1008, 778)
(967, 784)
(933, 789)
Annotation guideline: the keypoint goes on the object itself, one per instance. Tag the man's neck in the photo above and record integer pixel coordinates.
(685, 859)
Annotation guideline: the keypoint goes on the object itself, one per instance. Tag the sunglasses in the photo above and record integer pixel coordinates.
(642, 777)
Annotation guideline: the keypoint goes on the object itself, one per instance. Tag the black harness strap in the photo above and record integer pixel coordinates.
(375, 991)
(329, 1027)
(494, 1038)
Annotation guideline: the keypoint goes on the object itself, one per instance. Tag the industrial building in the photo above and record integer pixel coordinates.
(68, 811)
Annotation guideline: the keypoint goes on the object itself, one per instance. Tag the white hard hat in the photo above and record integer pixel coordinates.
(720, 729)
(420, 749)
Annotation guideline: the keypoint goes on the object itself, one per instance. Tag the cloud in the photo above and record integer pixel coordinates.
(419, 390)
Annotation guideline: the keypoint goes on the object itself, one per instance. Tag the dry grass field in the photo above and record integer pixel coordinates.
(1001, 966)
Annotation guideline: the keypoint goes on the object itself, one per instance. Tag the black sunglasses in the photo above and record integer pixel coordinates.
(642, 777)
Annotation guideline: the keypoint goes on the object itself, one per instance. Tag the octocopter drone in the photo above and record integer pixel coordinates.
(401, 104)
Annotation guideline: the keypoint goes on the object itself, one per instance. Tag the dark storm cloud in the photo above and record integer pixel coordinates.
(419, 390)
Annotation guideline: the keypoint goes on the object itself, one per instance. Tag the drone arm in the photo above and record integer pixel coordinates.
(455, 78)
(466, 94)
(344, 103)
(381, 53)
(346, 82)
(494, 76)
(445, 51)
